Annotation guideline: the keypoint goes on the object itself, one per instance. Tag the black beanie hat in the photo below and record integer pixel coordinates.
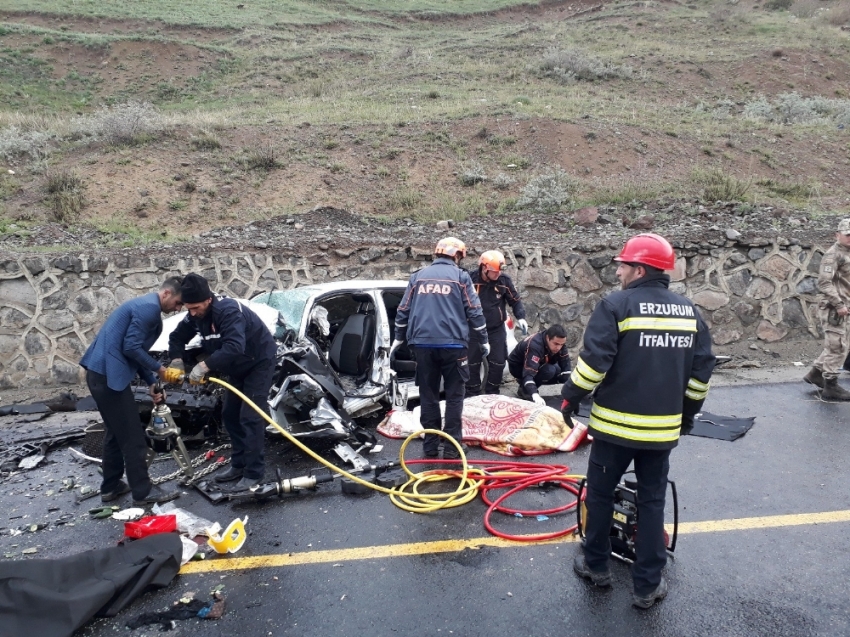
(195, 289)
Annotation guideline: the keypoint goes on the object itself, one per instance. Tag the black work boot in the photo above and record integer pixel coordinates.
(230, 475)
(601, 579)
(647, 601)
(833, 391)
(814, 377)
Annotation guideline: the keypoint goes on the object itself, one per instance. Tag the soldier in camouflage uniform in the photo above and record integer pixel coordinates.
(834, 286)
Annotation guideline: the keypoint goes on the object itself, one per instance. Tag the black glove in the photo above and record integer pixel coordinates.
(687, 425)
(567, 410)
(563, 377)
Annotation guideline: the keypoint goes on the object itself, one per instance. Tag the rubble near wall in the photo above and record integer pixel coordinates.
(52, 306)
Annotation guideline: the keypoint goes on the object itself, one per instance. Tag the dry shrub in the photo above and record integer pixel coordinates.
(65, 197)
(129, 123)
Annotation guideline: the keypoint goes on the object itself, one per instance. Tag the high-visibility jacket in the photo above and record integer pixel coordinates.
(647, 354)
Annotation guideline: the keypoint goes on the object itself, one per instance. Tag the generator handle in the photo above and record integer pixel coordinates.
(580, 495)
(675, 516)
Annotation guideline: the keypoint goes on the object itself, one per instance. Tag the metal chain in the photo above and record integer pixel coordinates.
(196, 462)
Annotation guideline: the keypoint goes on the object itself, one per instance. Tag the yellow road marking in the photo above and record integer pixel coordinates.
(453, 546)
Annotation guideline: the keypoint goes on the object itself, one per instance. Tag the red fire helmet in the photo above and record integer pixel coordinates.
(648, 249)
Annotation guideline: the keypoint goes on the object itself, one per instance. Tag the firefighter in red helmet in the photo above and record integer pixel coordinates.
(647, 355)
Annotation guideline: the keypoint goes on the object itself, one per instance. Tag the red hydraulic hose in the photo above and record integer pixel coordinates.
(516, 477)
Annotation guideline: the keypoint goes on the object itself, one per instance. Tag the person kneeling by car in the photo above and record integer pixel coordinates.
(237, 344)
(540, 359)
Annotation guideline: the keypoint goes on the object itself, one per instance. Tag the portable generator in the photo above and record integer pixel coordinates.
(624, 525)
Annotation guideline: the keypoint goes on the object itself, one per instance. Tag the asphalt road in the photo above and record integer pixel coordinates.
(750, 559)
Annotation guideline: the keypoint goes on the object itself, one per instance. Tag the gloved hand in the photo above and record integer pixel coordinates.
(174, 375)
(396, 344)
(177, 363)
(563, 377)
(537, 399)
(485, 349)
(198, 372)
(522, 324)
(687, 425)
(567, 411)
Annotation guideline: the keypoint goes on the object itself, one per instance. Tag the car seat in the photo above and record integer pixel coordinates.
(354, 343)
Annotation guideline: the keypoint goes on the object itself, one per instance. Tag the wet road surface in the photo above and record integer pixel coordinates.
(747, 563)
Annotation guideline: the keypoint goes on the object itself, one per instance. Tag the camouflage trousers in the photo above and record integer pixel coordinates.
(835, 342)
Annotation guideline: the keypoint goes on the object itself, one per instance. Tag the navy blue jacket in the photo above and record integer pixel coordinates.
(235, 338)
(530, 353)
(439, 307)
(494, 296)
(647, 354)
(120, 349)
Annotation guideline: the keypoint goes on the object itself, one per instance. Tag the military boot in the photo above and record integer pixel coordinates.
(833, 391)
(814, 377)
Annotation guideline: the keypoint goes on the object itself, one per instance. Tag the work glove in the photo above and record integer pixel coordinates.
(522, 324)
(687, 425)
(396, 344)
(177, 363)
(173, 375)
(537, 399)
(563, 377)
(567, 411)
(198, 372)
(485, 349)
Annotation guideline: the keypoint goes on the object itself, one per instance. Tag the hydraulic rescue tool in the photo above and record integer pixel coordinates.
(284, 486)
(624, 526)
(163, 428)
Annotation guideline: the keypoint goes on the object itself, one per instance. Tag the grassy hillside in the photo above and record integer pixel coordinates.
(149, 117)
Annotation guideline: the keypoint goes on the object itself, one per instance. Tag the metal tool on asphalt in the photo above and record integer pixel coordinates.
(624, 526)
(163, 428)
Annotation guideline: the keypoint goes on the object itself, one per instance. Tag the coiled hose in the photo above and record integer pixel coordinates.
(490, 476)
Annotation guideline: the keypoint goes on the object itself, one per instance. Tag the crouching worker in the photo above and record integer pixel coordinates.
(496, 291)
(238, 345)
(115, 356)
(647, 353)
(540, 359)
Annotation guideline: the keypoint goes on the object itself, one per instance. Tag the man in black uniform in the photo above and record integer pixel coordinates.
(495, 290)
(240, 346)
(647, 353)
(540, 359)
(435, 316)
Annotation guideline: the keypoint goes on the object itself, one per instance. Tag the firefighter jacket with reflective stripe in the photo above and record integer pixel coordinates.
(528, 356)
(439, 308)
(235, 338)
(647, 354)
(494, 296)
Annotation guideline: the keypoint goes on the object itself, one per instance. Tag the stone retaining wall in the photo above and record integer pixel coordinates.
(52, 306)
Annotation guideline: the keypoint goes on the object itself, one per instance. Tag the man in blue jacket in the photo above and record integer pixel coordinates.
(117, 354)
(434, 317)
(237, 344)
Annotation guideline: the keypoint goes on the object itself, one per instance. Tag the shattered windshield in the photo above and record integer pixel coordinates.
(290, 304)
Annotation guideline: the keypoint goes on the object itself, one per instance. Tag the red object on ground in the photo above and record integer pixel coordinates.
(151, 525)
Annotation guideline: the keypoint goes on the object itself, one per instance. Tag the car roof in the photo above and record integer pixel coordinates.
(354, 284)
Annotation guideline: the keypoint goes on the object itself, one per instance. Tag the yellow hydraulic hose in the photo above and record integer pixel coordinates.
(410, 500)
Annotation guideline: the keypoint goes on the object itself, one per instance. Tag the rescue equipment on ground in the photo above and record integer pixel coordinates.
(492, 475)
(624, 526)
(163, 428)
